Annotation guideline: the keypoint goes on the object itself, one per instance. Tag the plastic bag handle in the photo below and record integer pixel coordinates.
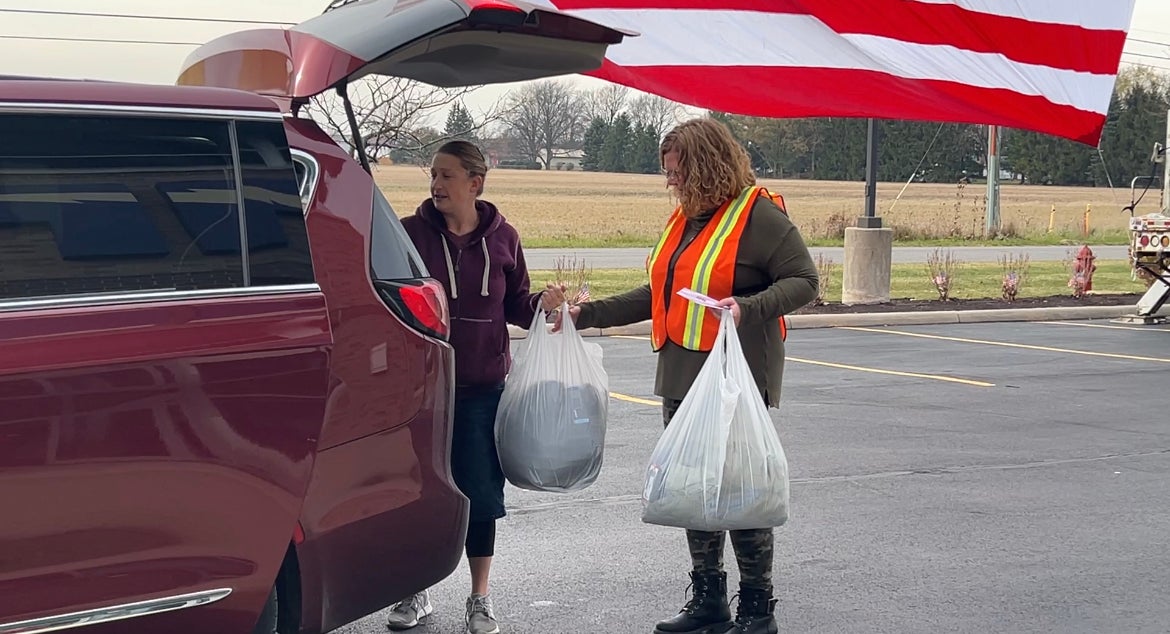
(720, 347)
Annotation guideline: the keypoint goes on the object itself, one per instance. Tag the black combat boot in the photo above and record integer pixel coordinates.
(755, 613)
(707, 611)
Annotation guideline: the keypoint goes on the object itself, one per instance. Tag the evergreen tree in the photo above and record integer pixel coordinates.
(460, 124)
(644, 158)
(595, 136)
(615, 153)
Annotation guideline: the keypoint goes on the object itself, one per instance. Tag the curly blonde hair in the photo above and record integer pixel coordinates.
(715, 167)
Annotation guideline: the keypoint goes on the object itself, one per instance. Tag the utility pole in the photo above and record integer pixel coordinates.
(992, 223)
(1165, 206)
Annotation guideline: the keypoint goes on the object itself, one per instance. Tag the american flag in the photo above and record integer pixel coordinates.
(1044, 65)
(582, 294)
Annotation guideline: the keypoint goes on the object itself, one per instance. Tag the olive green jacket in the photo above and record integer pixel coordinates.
(774, 276)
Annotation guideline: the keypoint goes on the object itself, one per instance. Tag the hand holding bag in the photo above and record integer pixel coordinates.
(551, 422)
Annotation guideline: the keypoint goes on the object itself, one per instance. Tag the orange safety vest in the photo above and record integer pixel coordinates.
(706, 265)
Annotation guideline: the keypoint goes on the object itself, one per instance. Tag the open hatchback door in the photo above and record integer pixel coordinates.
(446, 43)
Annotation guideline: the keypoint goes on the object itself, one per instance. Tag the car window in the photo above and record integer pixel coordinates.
(307, 174)
(116, 204)
(392, 254)
(278, 243)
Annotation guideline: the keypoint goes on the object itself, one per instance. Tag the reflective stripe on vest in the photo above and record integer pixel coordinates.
(706, 265)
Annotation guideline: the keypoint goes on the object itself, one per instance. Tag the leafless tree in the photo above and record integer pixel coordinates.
(543, 116)
(656, 112)
(605, 103)
(390, 111)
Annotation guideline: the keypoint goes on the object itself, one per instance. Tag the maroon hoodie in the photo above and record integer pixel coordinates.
(487, 288)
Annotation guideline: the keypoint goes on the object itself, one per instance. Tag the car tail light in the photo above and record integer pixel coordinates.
(495, 13)
(1145, 241)
(476, 5)
(420, 303)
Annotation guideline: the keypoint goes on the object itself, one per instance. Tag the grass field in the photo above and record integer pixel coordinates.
(911, 281)
(588, 209)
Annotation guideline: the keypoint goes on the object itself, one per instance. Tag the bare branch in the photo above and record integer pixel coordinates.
(658, 113)
(389, 111)
(605, 103)
(542, 117)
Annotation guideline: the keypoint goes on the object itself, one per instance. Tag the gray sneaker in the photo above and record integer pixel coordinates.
(480, 617)
(407, 613)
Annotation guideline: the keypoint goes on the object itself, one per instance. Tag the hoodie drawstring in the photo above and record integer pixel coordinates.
(487, 267)
(454, 291)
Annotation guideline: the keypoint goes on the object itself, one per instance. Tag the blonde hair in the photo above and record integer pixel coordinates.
(715, 167)
(470, 157)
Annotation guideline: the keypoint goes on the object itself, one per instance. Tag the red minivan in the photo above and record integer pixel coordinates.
(225, 391)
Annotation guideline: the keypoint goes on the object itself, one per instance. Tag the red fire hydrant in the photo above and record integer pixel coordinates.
(1082, 273)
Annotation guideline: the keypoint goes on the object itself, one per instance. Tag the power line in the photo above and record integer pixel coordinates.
(1138, 39)
(1162, 57)
(1125, 61)
(131, 16)
(1149, 31)
(96, 39)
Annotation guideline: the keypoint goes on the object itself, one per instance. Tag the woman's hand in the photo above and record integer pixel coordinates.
(733, 306)
(552, 297)
(573, 312)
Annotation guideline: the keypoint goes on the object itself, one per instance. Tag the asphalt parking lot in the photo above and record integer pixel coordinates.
(959, 478)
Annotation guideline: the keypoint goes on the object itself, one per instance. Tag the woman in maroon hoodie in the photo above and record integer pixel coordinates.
(468, 246)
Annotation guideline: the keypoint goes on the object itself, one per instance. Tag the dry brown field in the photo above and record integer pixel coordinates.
(584, 209)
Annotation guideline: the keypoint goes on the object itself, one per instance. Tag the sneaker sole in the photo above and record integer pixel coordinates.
(495, 631)
(426, 611)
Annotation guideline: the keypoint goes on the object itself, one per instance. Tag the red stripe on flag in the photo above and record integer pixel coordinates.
(1055, 45)
(819, 92)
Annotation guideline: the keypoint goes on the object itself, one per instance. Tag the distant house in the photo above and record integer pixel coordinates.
(502, 152)
(566, 159)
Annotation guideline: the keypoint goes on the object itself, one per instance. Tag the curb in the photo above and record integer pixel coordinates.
(917, 318)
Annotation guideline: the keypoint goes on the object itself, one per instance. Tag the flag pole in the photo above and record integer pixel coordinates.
(871, 220)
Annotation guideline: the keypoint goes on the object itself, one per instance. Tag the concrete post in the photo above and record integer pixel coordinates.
(868, 257)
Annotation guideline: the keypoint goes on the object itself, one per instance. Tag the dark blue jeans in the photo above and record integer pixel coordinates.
(474, 461)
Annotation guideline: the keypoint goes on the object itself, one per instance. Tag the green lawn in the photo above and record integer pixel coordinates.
(1050, 239)
(912, 281)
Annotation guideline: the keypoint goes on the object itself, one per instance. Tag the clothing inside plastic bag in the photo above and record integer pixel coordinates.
(551, 423)
(719, 465)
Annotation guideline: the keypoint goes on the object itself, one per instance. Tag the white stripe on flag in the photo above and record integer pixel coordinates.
(672, 37)
(1102, 15)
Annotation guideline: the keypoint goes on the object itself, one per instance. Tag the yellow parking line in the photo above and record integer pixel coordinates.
(1005, 344)
(894, 372)
(915, 375)
(839, 366)
(634, 399)
(1073, 323)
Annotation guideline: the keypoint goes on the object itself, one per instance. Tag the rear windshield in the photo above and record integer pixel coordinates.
(392, 254)
(99, 204)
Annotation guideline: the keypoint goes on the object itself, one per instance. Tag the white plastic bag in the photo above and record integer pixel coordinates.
(551, 423)
(719, 465)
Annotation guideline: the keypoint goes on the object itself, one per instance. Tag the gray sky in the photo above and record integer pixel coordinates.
(159, 63)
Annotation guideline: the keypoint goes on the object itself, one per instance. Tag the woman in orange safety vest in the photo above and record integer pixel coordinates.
(733, 241)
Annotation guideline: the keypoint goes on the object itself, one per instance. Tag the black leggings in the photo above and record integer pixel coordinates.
(481, 539)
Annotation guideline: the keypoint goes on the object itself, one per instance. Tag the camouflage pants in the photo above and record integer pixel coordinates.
(753, 548)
